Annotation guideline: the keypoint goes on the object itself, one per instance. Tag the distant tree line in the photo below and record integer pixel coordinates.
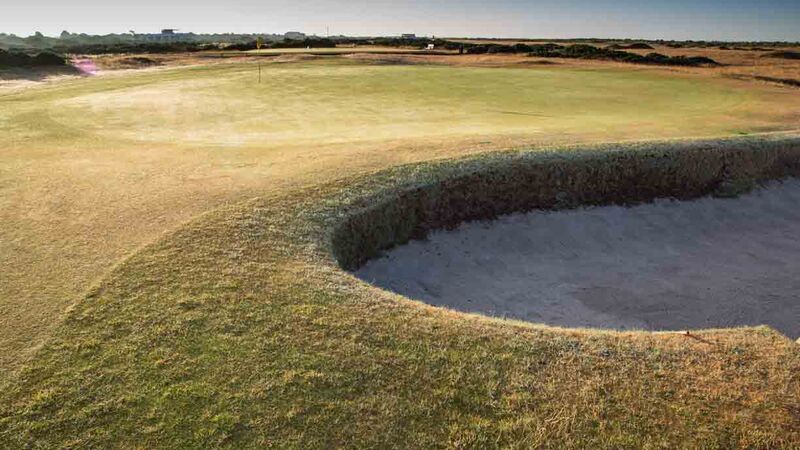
(81, 40)
(286, 43)
(153, 43)
(40, 50)
(136, 47)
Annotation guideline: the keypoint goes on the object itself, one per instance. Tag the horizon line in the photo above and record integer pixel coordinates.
(368, 36)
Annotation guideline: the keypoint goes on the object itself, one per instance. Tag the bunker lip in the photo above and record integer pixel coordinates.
(491, 186)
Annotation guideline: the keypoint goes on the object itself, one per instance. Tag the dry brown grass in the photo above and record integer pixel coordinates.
(736, 63)
(239, 330)
(79, 194)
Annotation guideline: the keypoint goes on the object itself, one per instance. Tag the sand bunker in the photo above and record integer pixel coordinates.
(668, 265)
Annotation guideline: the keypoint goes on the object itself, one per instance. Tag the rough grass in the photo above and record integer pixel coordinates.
(738, 61)
(241, 331)
(497, 185)
(93, 169)
(344, 50)
(786, 81)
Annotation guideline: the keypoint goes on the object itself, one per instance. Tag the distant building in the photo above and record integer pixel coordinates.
(409, 36)
(294, 35)
(166, 35)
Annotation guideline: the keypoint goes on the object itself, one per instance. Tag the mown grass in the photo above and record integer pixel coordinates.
(240, 330)
(325, 102)
(93, 169)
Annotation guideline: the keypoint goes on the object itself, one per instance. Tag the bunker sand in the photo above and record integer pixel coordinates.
(708, 263)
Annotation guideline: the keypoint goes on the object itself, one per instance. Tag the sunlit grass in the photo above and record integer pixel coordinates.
(239, 330)
(93, 170)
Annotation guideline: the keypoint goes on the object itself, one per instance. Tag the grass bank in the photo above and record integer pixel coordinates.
(241, 330)
(496, 185)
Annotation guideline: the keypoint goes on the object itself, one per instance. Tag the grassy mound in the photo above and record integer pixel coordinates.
(586, 51)
(786, 54)
(19, 59)
(634, 46)
(582, 51)
(241, 330)
(785, 81)
(137, 61)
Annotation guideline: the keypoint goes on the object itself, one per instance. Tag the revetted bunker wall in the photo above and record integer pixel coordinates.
(487, 187)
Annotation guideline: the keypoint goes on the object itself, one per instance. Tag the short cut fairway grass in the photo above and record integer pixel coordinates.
(308, 104)
(93, 169)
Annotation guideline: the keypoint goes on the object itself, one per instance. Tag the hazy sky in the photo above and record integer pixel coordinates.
(652, 19)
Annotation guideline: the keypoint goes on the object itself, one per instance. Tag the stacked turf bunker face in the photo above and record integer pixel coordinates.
(486, 187)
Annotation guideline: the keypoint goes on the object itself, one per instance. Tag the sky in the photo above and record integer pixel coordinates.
(644, 19)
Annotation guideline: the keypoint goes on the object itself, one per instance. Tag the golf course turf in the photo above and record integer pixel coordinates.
(240, 328)
(93, 169)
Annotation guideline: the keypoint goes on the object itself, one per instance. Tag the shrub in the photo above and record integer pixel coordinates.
(787, 81)
(304, 43)
(11, 59)
(287, 43)
(786, 54)
(144, 47)
(48, 59)
(137, 61)
(19, 59)
(635, 46)
(546, 50)
(693, 61)
(586, 51)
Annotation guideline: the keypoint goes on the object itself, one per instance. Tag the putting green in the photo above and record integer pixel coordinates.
(93, 169)
(306, 104)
